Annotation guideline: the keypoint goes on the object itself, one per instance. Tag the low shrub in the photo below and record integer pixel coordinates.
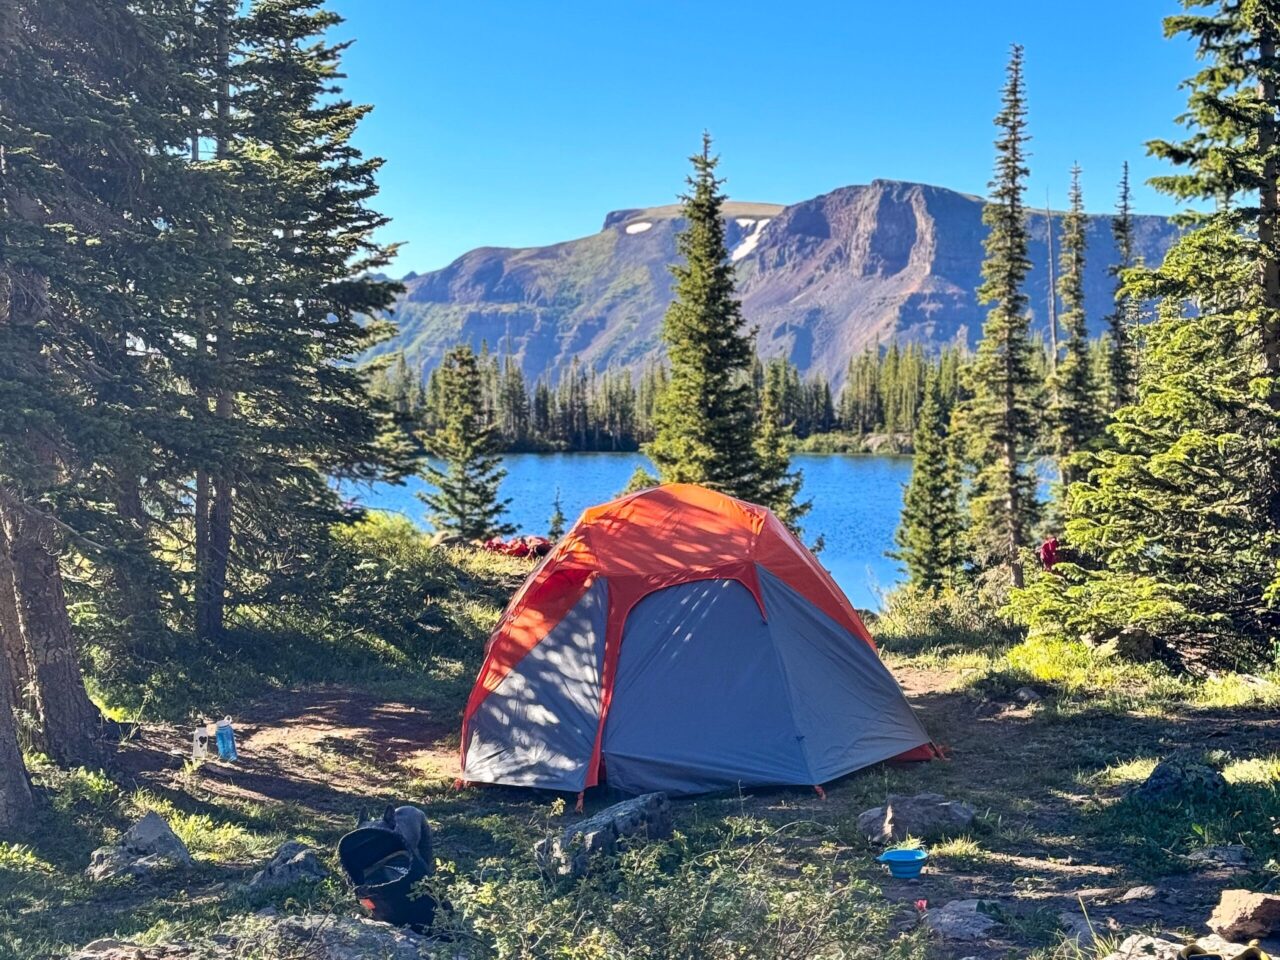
(946, 621)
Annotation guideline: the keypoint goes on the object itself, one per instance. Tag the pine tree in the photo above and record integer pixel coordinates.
(556, 525)
(704, 417)
(1123, 319)
(1178, 526)
(1074, 416)
(929, 533)
(998, 421)
(777, 486)
(291, 269)
(467, 481)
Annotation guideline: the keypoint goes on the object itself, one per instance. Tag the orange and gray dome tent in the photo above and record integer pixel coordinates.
(678, 639)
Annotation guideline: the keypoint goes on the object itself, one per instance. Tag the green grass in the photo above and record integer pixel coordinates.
(752, 874)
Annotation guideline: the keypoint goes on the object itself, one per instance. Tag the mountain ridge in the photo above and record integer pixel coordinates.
(820, 279)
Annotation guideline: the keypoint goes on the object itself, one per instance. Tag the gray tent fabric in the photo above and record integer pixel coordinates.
(709, 695)
(538, 727)
(844, 701)
(700, 701)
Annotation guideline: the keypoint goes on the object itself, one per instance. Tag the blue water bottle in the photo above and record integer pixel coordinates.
(226, 740)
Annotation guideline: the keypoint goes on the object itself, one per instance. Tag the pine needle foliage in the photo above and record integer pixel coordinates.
(998, 422)
(1177, 526)
(930, 533)
(467, 480)
(705, 417)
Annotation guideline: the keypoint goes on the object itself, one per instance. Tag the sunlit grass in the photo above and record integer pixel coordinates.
(960, 850)
(1260, 770)
(220, 841)
(1125, 772)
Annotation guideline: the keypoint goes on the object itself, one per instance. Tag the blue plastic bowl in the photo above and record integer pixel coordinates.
(904, 864)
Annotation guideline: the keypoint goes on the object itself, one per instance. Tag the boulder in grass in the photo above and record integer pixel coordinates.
(148, 847)
(921, 816)
(646, 817)
(1179, 778)
(293, 863)
(1243, 915)
(963, 919)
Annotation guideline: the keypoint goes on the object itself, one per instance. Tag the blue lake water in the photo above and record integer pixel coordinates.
(856, 502)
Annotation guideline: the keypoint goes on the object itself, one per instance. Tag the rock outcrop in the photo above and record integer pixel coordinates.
(1178, 778)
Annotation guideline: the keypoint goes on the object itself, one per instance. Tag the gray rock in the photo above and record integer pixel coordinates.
(1179, 778)
(1077, 928)
(1027, 695)
(293, 863)
(149, 847)
(921, 816)
(1142, 947)
(151, 835)
(1144, 892)
(1222, 855)
(569, 854)
(963, 919)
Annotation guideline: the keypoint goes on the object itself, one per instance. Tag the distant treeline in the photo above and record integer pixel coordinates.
(612, 410)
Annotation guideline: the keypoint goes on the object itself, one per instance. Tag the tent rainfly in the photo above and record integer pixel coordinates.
(678, 639)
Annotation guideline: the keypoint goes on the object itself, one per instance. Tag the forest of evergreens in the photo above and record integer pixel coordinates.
(186, 257)
(582, 409)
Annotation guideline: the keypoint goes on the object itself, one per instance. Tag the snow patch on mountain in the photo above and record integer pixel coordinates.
(640, 227)
(748, 243)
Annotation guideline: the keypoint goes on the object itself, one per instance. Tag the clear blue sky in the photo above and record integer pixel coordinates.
(519, 123)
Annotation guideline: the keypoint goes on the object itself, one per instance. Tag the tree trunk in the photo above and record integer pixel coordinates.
(15, 648)
(69, 722)
(1053, 296)
(1013, 503)
(214, 504)
(16, 803)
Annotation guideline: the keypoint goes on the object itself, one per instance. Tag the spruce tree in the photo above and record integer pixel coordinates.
(929, 533)
(778, 485)
(704, 417)
(998, 421)
(1123, 319)
(469, 475)
(1074, 416)
(1178, 526)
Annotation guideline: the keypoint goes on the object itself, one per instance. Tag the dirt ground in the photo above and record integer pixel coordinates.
(1036, 774)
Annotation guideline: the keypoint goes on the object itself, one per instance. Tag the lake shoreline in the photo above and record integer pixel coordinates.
(856, 501)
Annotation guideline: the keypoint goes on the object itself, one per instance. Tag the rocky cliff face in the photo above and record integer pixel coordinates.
(821, 279)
